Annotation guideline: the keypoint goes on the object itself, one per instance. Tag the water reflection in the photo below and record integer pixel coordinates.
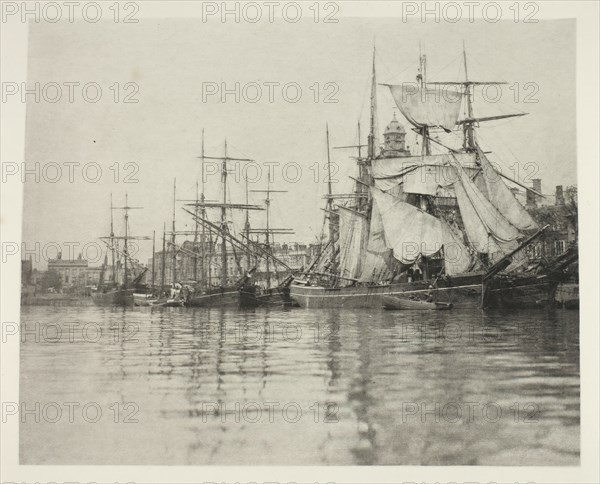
(215, 386)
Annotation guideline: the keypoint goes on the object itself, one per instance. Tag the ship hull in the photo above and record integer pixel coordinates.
(247, 297)
(278, 297)
(223, 297)
(166, 303)
(405, 303)
(143, 299)
(464, 296)
(119, 297)
(521, 293)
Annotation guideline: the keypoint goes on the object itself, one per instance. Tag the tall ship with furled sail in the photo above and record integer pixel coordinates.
(439, 226)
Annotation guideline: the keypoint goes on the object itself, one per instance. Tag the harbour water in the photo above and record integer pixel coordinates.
(276, 387)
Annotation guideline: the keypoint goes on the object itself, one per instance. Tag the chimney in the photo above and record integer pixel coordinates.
(532, 198)
(560, 196)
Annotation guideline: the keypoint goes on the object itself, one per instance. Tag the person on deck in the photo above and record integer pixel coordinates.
(429, 297)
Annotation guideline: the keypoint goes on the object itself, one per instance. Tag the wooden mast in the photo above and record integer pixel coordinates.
(469, 139)
(224, 219)
(330, 212)
(223, 231)
(269, 232)
(468, 124)
(112, 242)
(173, 247)
(373, 112)
(125, 248)
(153, 257)
(203, 211)
(195, 271)
(247, 229)
(267, 238)
(162, 266)
(426, 147)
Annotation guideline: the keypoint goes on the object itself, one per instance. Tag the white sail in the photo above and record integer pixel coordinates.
(378, 263)
(457, 257)
(503, 199)
(487, 229)
(409, 232)
(428, 107)
(425, 180)
(421, 171)
(352, 242)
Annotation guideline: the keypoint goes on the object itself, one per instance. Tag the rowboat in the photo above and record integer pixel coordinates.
(392, 302)
(142, 299)
(167, 303)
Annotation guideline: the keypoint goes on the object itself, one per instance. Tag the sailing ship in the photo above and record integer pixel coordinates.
(116, 290)
(267, 293)
(229, 292)
(444, 224)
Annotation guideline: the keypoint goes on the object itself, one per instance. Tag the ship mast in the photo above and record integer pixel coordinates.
(223, 230)
(173, 247)
(268, 231)
(195, 271)
(469, 138)
(373, 114)
(112, 242)
(422, 78)
(268, 244)
(247, 228)
(126, 238)
(203, 212)
(153, 257)
(125, 248)
(468, 123)
(330, 207)
(164, 248)
(224, 219)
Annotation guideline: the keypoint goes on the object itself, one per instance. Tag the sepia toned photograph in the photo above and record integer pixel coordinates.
(297, 234)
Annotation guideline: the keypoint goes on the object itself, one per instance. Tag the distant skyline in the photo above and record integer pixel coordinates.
(170, 59)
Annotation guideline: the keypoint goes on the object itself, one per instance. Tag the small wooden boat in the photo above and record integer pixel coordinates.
(141, 299)
(167, 303)
(394, 302)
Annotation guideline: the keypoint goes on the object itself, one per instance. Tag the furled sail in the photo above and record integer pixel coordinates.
(422, 172)
(408, 231)
(503, 199)
(352, 241)
(424, 181)
(487, 229)
(426, 106)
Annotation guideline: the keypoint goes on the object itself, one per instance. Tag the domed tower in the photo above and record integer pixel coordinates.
(394, 140)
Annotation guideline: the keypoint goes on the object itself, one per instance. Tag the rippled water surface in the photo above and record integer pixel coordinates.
(183, 386)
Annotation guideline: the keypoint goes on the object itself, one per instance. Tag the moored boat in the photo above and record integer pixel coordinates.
(462, 292)
(113, 297)
(395, 302)
(143, 299)
(119, 289)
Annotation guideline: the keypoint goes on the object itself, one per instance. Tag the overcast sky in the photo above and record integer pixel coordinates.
(170, 60)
